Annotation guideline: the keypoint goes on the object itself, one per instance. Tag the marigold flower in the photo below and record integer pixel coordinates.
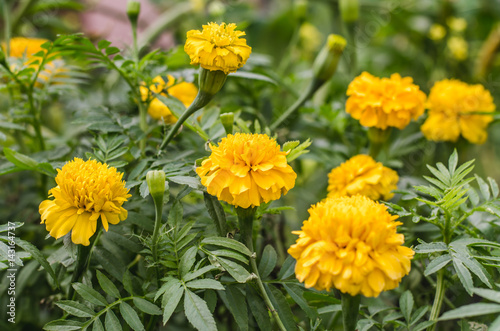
(85, 191)
(452, 106)
(246, 170)
(361, 174)
(20, 47)
(458, 48)
(218, 47)
(351, 243)
(437, 32)
(383, 102)
(185, 92)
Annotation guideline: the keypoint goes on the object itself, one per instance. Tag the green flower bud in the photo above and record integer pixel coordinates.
(349, 10)
(326, 62)
(133, 10)
(211, 81)
(156, 185)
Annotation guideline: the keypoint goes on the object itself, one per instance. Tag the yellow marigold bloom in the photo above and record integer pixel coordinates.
(452, 106)
(457, 24)
(383, 102)
(85, 191)
(20, 47)
(351, 243)
(218, 47)
(361, 174)
(185, 92)
(246, 170)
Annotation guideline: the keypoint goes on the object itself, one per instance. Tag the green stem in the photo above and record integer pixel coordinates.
(84, 253)
(156, 231)
(438, 299)
(313, 87)
(245, 219)
(201, 100)
(36, 120)
(350, 311)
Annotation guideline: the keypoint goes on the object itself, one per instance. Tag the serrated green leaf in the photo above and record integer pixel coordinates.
(175, 215)
(197, 312)
(426, 248)
(90, 294)
(268, 261)
(37, 255)
(475, 309)
(216, 212)
(287, 269)
(173, 297)
(283, 308)
(406, 305)
(130, 316)
(494, 187)
(187, 260)
(206, 283)
(437, 264)
(418, 314)
(146, 306)
(111, 322)
(232, 254)
(240, 274)
(97, 325)
(75, 308)
(227, 243)
(62, 325)
(258, 309)
(453, 161)
(197, 273)
(237, 305)
(423, 325)
(488, 294)
(297, 294)
(464, 275)
(107, 285)
(483, 187)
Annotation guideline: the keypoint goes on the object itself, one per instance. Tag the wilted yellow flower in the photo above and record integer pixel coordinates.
(351, 243)
(452, 106)
(457, 24)
(458, 48)
(185, 92)
(383, 102)
(85, 191)
(361, 174)
(246, 170)
(218, 47)
(437, 32)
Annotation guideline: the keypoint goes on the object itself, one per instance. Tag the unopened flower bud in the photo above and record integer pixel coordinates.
(211, 81)
(349, 10)
(156, 184)
(326, 62)
(133, 10)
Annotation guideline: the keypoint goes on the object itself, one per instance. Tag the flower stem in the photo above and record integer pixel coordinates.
(313, 87)
(245, 219)
(350, 310)
(201, 100)
(84, 253)
(156, 231)
(438, 299)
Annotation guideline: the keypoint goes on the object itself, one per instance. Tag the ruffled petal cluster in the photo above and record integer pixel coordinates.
(184, 92)
(351, 243)
(384, 102)
(85, 191)
(361, 174)
(246, 170)
(218, 47)
(454, 108)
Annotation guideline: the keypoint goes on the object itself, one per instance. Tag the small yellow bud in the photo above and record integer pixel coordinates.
(133, 10)
(156, 184)
(326, 62)
(349, 10)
